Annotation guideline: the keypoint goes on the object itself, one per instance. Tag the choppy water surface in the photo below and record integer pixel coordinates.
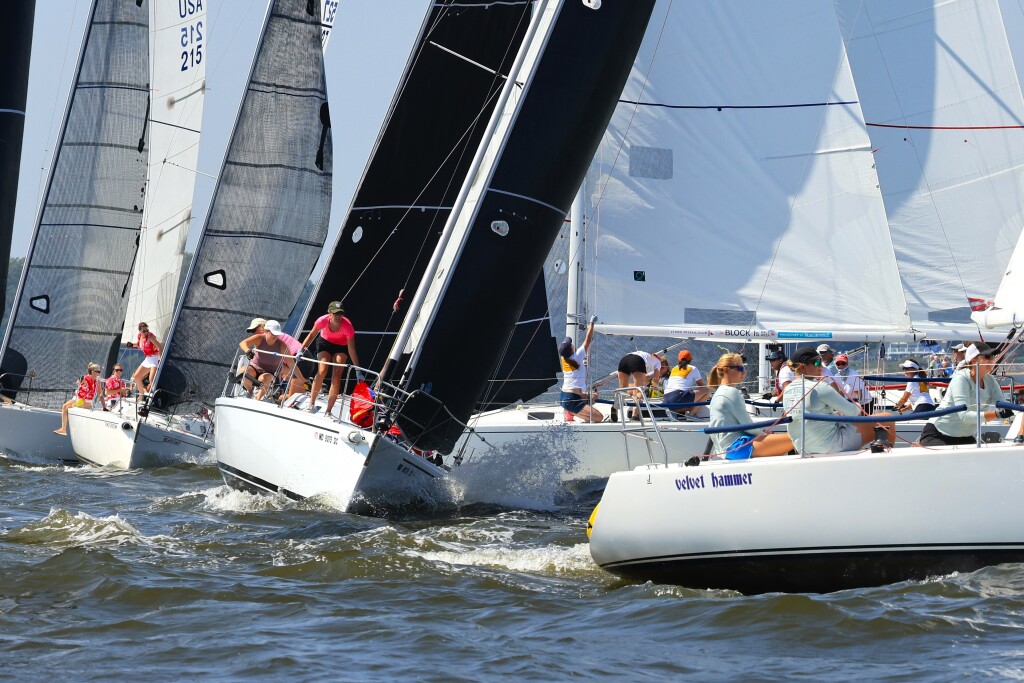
(167, 574)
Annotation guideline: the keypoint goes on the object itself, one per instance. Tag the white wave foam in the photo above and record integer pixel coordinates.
(551, 559)
(61, 527)
(223, 498)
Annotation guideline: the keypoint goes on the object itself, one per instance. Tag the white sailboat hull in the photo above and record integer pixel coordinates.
(121, 440)
(26, 435)
(589, 453)
(264, 448)
(814, 524)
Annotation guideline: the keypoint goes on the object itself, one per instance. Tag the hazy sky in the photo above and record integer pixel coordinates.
(365, 57)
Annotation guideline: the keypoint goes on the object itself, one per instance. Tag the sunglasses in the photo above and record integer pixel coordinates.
(118, 369)
(738, 368)
(841, 364)
(94, 372)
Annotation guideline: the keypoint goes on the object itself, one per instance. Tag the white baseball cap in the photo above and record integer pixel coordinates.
(273, 327)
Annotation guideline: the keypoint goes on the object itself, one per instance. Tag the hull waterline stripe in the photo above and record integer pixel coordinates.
(817, 550)
(252, 482)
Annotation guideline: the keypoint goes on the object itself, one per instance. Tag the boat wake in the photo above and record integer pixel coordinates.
(526, 474)
(63, 529)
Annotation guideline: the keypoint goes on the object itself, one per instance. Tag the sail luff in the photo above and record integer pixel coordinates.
(72, 293)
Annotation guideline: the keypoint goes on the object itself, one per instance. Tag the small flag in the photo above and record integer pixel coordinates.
(979, 304)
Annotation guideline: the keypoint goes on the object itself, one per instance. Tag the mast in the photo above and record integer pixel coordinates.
(16, 37)
(576, 228)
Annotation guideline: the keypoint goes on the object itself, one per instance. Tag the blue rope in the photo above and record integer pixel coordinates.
(659, 405)
(746, 427)
(1012, 406)
(884, 418)
(904, 379)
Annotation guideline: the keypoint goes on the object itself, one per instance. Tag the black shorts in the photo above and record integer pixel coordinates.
(931, 436)
(631, 363)
(324, 346)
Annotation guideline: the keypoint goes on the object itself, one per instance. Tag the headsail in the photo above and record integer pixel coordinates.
(419, 162)
(560, 96)
(735, 194)
(73, 290)
(16, 37)
(179, 35)
(269, 214)
(943, 101)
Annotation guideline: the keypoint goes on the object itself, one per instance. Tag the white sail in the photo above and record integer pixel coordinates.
(738, 199)
(943, 102)
(177, 40)
(1008, 308)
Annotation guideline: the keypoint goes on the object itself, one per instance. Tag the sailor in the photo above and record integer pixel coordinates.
(335, 343)
(916, 397)
(728, 408)
(959, 353)
(811, 393)
(269, 358)
(783, 374)
(961, 428)
(574, 397)
(151, 348)
(84, 395)
(827, 356)
(853, 384)
(639, 369)
(685, 385)
(115, 388)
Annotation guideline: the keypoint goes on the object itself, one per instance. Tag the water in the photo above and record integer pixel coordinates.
(166, 575)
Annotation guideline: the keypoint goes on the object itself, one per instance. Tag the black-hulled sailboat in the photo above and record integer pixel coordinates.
(548, 120)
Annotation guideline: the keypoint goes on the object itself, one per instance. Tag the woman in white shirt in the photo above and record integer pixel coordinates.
(916, 397)
(574, 397)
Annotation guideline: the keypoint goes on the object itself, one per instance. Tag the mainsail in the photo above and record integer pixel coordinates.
(16, 37)
(269, 214)
(178, 82)
(434, 125)
(735, 195)
(72, 296)
(942, 97)
(559, 98)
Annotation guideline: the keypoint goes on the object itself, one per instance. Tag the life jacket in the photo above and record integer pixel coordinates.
(566, 367)
(146, 345)
(681, 373)
(87, 389)
(361, 408)
(923, 386)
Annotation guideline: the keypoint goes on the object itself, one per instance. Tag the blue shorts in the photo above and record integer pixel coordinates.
(679, 396)
(741, 449)
(574, 403)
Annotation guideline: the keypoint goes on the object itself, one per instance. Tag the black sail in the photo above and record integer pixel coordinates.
(269, 214)
(73, 290)
(419, 163)
(561, 116)
(16, 37)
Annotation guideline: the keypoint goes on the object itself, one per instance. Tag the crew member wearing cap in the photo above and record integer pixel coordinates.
(574, 397)
(335, 343)
(961, 428)
(959, 352)
(638, 369)
(916, 397)
(827, 355)
(293, 344)
(269, 357)
(811, 393)
(853, 384)
(783, 374)
(685, 385)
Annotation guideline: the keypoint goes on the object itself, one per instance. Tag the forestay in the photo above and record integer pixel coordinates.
(72, 296)
(734, 193)
(942, 98)
(269, 214)
(178, 83)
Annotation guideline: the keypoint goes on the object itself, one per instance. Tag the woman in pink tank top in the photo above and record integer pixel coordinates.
(335, 343)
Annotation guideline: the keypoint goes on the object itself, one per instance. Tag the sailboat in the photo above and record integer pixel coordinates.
(826, 523)
(265, 229)
(557, 99)
(72, 294)
(708, 181)
(17, 36)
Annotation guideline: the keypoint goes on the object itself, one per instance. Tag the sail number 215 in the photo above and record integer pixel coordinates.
(192, 45)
